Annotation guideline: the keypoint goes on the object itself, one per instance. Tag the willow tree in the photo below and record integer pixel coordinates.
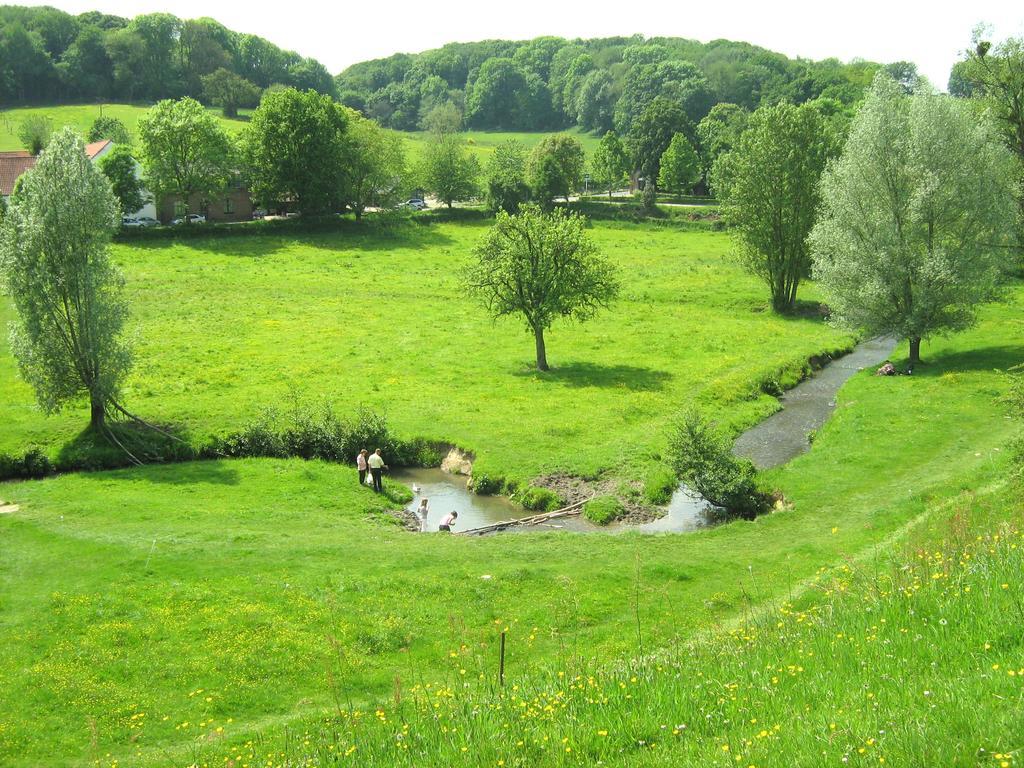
(768, 187)
(541, 266)
(67, 335)
(918, 216)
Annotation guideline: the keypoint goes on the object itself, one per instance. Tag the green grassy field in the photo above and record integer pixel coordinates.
(911, 657)
(483, 143)
(376, 317)
(80, 117)
(143, 610)
(480, 143)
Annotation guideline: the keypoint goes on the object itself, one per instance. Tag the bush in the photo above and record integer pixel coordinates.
(603, 510)
(260, 438)
(703, 459)
(486, 485)
(316, 433)
(540, 499)
(31, 465)
(660, 485)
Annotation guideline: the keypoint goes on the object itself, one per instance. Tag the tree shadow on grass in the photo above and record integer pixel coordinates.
(581, 374)
(978, 359)
(209, 472)
(161, 452)
(256, 240)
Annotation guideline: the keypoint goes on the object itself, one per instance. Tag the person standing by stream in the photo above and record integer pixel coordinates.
(377, 467)
(362, 466)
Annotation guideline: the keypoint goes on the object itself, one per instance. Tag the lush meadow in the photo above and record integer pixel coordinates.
(157, 616)
(480, 143)
(376, 316)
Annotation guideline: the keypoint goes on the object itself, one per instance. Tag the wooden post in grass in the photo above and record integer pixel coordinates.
(501, 661)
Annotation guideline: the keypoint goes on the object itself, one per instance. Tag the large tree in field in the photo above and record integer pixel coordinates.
(768, 186)
(34, 133)
(995, 74)
(109, 128)
(918, 216)
(119, 167)
(541, 266)
(447, 170)
(506, 177)
(376, 168)
(652, 132)
(67, 337)
(297, 149)
(680, 167)
(609, 164)
(229, 91)
(184, 151)
(555, 168)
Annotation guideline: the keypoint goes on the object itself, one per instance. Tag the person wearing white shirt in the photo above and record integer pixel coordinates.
(377, 466)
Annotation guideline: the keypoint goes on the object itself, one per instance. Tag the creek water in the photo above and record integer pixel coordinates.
(446, 492)
(774, 441)
(805, 408)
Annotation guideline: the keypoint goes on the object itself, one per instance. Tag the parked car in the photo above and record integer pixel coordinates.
(416, 204)
(259, 213)
(147, 221)
(130, 223)
(193, 218)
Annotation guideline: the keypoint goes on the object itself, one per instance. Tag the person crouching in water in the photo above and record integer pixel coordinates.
(448, 521)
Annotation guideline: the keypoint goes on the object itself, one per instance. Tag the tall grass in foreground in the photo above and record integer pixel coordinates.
(915, 662)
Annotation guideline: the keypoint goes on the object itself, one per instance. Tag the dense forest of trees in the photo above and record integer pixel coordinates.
(49, 56)
(553, 83)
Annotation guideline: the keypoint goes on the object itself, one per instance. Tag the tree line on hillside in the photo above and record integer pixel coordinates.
(550, 83)
(47, 55)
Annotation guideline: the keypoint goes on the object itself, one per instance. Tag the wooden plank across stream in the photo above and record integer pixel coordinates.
(570, 511)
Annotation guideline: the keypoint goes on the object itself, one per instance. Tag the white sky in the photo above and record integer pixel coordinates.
(931, 34)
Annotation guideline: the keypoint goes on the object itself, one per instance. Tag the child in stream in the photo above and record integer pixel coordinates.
(448, 521)
(421, 514)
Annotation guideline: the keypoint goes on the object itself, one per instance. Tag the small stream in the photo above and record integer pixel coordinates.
(785, 434)
(776, 440)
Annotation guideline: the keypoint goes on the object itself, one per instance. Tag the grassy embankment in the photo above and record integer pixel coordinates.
(376, 316)
(480, 143)
(910, 657)
(273, 588)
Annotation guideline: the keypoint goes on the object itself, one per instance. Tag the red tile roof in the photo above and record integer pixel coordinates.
(93, 149)
(12, 165)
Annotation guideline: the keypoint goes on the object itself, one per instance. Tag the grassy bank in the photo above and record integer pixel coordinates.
(375, 316)
(81, 116)
(145, 609)
(911, 658)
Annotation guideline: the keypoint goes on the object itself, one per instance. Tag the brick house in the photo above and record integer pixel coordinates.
(233, 204)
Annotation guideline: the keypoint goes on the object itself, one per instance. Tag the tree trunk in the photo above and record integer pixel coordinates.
(97, 414)
(449, 205)
(915, 351)
(542, 357)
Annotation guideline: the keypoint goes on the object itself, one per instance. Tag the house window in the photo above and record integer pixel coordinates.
(229, 205)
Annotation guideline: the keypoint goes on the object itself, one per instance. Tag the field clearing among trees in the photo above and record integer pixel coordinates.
(80, 117)
(148, 608)
(376, 316)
